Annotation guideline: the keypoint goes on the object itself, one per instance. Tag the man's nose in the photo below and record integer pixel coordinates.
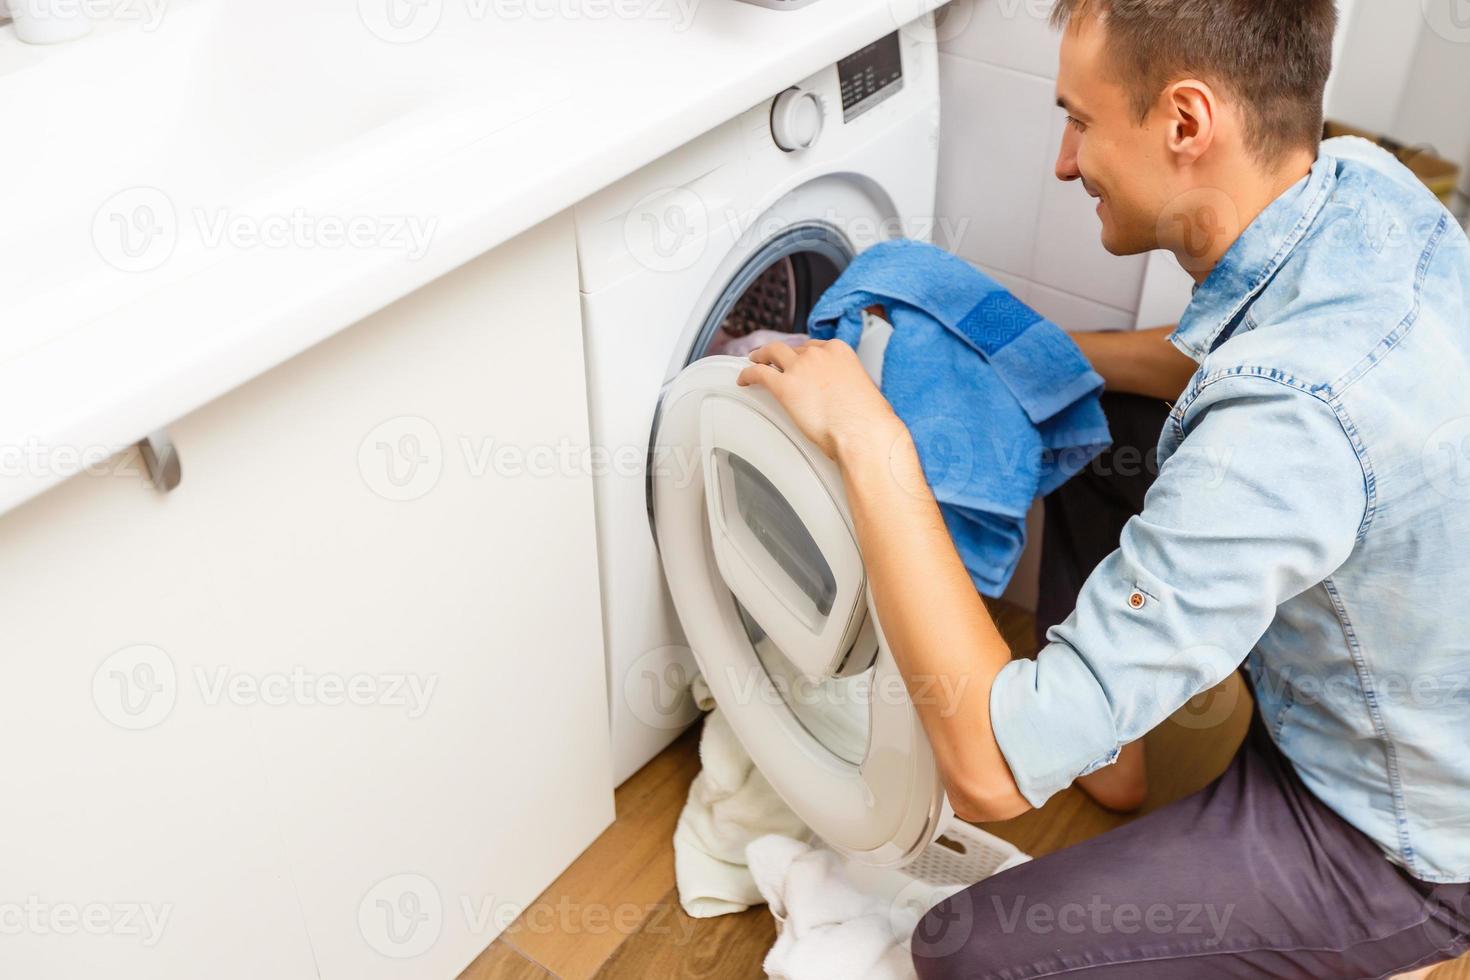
(1067, 156)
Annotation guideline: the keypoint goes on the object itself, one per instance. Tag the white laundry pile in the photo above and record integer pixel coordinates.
(730, 804)
(742, 345)
(827, 929)
(841, 920)
(737, 844)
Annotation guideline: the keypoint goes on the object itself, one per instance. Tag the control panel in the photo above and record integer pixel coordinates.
(870, 75)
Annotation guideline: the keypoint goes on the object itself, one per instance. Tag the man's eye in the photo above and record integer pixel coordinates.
(1076, 124)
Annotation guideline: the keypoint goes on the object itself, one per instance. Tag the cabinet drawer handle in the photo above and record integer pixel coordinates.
(162, 460)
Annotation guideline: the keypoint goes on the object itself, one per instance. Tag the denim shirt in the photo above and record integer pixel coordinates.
(1310, 518)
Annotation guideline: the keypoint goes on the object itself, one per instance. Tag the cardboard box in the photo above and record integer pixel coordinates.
(1439, 175)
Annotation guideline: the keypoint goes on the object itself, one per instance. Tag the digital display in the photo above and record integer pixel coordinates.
(869, 76)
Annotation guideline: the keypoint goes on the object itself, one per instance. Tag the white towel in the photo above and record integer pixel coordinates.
(826, 928)
(730, 804)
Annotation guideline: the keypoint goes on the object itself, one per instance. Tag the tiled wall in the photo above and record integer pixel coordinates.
(997, 183)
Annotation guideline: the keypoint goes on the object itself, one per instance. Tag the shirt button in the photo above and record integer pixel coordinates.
(1136, 600)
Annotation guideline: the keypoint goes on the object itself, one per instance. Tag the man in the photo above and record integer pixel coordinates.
(1310, 519)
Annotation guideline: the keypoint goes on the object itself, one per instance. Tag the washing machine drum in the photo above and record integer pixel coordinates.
(762, 562)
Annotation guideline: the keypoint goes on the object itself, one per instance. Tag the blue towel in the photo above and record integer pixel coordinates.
(1001, 403)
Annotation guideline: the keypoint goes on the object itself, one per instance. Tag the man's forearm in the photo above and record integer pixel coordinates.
(938, 629)
(1137, 362)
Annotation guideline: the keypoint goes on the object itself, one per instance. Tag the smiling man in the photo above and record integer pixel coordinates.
(1307, 521)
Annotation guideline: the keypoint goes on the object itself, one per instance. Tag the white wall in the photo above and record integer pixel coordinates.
(1435, 105)
(1002, 130)
(1377, 54)
(1405, 71)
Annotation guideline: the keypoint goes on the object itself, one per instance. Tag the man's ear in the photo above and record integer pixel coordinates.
(1191, 117)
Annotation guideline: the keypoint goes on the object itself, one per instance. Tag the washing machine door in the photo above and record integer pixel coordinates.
(763, 566)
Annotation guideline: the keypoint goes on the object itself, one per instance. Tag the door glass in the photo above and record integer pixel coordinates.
(780, 532)
(834, 712)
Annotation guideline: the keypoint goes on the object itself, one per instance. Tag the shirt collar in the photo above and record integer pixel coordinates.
(1253, 260)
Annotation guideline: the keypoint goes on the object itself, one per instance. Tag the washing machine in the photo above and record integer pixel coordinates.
(741, 231)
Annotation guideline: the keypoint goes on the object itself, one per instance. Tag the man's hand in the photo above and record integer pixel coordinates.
(823, 387)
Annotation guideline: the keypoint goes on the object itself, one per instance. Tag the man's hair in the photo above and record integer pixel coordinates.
(1272, 55)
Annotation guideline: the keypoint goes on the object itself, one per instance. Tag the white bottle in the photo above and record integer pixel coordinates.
(48, 21)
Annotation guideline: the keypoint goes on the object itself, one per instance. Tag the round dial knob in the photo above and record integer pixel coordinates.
(796, 119)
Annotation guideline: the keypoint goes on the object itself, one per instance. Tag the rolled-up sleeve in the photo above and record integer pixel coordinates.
(1262, 499)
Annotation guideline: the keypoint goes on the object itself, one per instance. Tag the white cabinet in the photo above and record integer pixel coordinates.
(336, 705)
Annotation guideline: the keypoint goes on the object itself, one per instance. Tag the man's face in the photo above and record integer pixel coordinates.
(1121, 163)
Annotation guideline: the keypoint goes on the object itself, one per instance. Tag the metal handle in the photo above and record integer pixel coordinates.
(162, 460)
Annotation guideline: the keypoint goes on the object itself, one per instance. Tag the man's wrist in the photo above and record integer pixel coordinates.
(858, 446)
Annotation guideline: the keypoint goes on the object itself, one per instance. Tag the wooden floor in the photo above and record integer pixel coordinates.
(614, 914)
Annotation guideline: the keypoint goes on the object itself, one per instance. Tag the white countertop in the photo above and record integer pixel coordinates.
(233, 146)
